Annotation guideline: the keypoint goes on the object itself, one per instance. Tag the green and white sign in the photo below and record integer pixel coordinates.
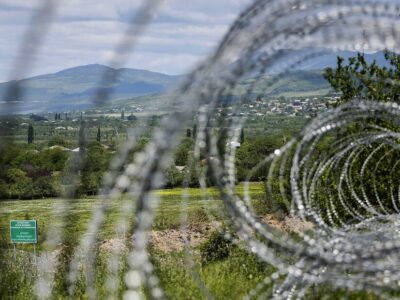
(23, 231)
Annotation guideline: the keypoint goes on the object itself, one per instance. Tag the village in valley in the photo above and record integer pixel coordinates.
(113, 122)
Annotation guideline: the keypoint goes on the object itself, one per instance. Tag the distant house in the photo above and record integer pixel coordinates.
(180, 168)
(233, 144)
(33, 151)
(59, 147)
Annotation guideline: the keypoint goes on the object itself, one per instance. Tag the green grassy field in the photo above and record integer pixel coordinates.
(201, 207)
(225, 270)
(167, 214)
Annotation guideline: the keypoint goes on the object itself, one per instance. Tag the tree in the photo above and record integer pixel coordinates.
(252, 152)
(97, 161)
(98, 138)
(45, 186)
(30, 134)
(242, 136)
(153, 121)
(53, 159)
(173, 177)
(182, 152)
(194, 131)
(131, 117)
(82, 138)
(222, 140)
(359, 79)
(188, 133)
(20, 185)
(123, 115)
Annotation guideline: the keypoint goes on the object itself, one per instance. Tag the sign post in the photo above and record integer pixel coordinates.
(25, 232)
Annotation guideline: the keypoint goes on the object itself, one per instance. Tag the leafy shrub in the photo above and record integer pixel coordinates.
(216, 247)
(173, 177)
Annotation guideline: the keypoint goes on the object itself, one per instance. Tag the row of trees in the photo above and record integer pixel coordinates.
(27, 173)
(250, 152)
(31, 133)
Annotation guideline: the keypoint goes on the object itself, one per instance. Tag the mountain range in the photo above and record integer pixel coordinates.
(74, 88)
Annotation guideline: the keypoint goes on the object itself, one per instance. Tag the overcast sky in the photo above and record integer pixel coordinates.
(86, 31)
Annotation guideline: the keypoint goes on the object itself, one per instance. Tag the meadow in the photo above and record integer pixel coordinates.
(230, 276)
(225, 269)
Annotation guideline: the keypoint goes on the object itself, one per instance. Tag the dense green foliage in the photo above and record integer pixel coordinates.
(359, 79)
(43, 169)
(96, 162)
(253, 151)
(28, 173)
(216, 247)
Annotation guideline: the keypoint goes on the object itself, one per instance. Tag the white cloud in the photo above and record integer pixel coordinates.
(87, 31)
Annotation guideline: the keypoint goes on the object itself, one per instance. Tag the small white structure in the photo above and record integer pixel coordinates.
(75, 150)
(233, 144)
(180, 168)
(59, 147)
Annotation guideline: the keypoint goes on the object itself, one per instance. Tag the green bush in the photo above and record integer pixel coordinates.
(216, 247)
(173, 177)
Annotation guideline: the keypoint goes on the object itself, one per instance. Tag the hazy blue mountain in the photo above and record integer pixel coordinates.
(74, 88)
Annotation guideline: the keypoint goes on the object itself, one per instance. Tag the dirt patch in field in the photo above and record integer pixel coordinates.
(170, 240)
(115, 245)
(167, 240)
(296, 224)
(289, 223)
(175, 239)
